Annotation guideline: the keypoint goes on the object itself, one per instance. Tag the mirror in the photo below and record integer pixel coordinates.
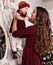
(2, 43)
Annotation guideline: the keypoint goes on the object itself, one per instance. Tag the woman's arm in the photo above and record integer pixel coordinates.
(14, 26)
(22, 33)
(26, 32)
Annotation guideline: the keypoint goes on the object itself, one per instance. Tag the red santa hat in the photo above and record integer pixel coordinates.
(23, 4)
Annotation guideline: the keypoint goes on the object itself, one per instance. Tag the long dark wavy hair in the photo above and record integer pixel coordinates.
(43, 40)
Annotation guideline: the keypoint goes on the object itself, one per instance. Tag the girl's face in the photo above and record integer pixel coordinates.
(24, 10)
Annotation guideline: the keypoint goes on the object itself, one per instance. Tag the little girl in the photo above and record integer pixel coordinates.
(20, 16)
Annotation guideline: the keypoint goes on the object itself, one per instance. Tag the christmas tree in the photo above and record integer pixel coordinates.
(47, 59)
(2, 43)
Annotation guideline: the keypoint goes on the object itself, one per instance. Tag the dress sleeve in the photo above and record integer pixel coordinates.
(22, 33)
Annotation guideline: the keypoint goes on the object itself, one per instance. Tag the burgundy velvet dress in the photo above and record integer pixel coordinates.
(20, 23)
(30, 56)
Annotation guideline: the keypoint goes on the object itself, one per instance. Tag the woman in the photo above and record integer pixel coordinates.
(35, 37)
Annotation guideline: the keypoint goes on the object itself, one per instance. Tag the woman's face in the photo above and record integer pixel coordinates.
(34, 14)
